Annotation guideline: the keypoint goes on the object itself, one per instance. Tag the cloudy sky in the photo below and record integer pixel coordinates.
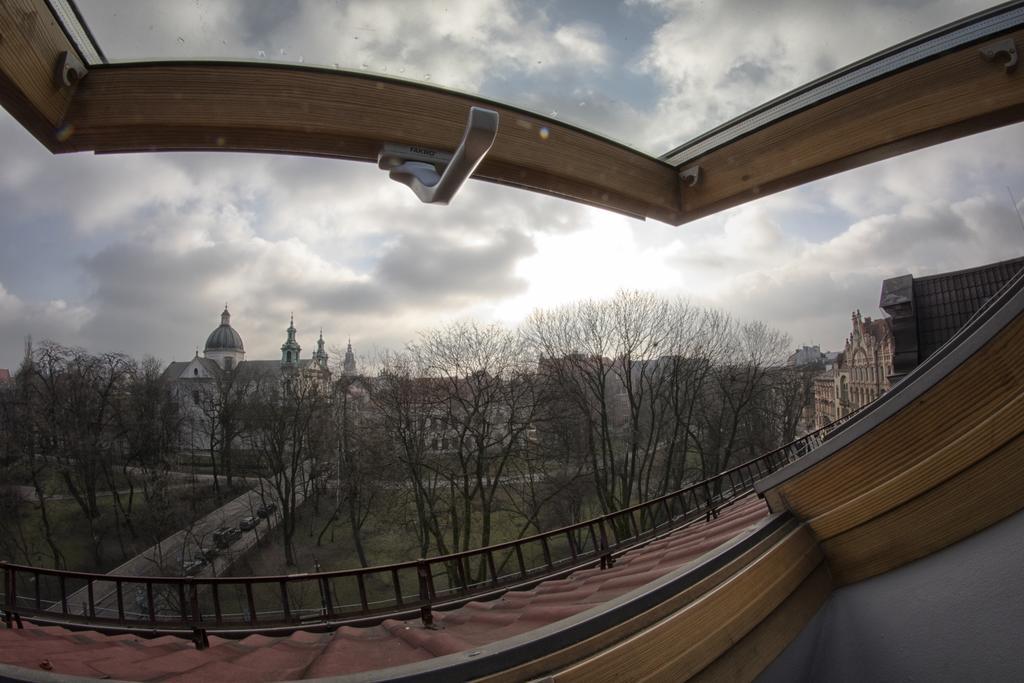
(138, 253)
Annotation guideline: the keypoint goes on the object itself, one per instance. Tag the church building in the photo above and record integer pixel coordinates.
(202, 383)
(224, 352)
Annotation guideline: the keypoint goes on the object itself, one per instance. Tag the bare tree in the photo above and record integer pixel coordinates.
(219, 406)
(729, 425)
(653, 392)
(696, 349)
(404, 401)
(284, 416)
(17, 453)
(485, 403)
(72, 398)
(617, 364)
(360, 457)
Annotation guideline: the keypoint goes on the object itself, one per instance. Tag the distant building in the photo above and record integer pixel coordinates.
(927, 311)
(5, 375)
(811, 359)
(811, 355)
(349, 365)
(196, 382)
(224, 352)
(860, 373)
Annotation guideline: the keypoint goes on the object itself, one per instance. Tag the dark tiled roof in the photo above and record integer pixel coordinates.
(246, 369)
(880, 328)
(945, 302)
(175, 368)
(224, 338)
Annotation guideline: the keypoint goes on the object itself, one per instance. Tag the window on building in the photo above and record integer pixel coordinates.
(195, 397)
(227, 363)
(195, 372)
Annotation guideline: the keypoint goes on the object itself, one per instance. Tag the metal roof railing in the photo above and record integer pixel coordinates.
(238, 606)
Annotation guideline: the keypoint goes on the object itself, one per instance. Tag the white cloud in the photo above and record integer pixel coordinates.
(592, 262)
(716, 60)
(51, 319)
(153, 245)
(586, 42)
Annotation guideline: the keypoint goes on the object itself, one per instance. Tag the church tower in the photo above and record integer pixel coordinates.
(290, 349)
(349, 365)
(320, 355)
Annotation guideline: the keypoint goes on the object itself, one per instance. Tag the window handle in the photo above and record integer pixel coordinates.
(436, 176)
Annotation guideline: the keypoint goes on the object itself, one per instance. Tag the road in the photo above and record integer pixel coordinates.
(28, 493)
(164, 558)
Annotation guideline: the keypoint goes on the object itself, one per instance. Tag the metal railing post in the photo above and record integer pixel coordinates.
(607, 561)
(149, 602)
(9, 595)
(492, 568)
(708, 503)
(327, 603)
(423, 574)
(199, 636)
(120, 601)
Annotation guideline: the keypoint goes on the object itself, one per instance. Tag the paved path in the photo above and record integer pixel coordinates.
(28, 493)
(165, 558)
(200, 476)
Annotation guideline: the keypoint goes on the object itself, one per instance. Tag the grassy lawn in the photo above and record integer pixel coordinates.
(389, 535)
(100, 546)
(387, 539)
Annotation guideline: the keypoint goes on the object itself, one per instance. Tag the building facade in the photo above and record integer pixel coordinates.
(860, 373)
(205, 385)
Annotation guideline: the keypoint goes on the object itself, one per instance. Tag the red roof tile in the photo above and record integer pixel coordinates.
(392, 643)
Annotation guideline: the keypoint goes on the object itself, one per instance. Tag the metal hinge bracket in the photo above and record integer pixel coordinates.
(1003, 51)
(690, 176)
(436, 176)
(69, 70)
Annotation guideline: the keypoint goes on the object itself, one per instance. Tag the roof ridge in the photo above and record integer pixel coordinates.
(972, 269)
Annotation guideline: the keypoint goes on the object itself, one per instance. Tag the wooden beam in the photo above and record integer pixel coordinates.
(752, 654)
(593, 645)
(683, 644)
(975, 444)
(942, 468)
(297, 110)
(31, 41)
(952, 96)
(980, 496)
(958, 406)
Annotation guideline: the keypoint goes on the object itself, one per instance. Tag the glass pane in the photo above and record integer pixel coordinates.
(651, 74)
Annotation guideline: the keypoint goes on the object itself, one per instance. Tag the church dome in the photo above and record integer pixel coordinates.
(224, 338)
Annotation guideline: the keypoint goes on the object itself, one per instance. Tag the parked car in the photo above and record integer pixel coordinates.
(248, 523)
(194, 566)
(266, 510)
(225, 536)
(208, 553)
(219, 534)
